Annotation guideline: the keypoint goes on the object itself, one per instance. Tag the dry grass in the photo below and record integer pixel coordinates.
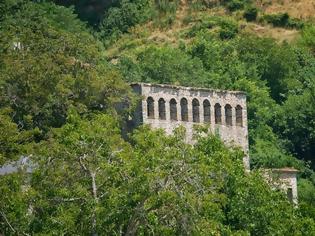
(301, 9)
(280, 34)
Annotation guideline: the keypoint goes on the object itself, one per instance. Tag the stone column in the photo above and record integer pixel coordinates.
(233, 116)
(189, 106)
(223, 114)
(167, 110)
(201, 111)
(144, 109)
(178, 107)
(212, 117)
(156, 108)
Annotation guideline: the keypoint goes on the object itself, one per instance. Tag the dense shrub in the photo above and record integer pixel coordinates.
(251, 13)
(235, 5)
(128, 13)
(283, 20)
(279, 20)
(229, 29)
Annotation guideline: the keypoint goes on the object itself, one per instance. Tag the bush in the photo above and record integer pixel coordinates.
(119, 19)
(229, 29)
(283, 20)
(278, 20)
(251, 13)
(296, 23)
(235, 5)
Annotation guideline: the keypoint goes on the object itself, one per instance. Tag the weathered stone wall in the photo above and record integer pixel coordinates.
(283, 179)
(232, 134)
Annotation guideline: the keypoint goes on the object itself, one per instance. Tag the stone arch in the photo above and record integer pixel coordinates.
(162, 111)
(239, 115)
(150, 107)
(184, 109)
(206, 111)
(195, 110)
(217, 113)
(228, 114)
(173, 109)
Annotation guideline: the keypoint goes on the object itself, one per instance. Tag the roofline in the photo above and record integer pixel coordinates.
(188, 88)
(283, 170)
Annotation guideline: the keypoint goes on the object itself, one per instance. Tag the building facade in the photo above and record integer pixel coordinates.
(168, 106)
(225, 113)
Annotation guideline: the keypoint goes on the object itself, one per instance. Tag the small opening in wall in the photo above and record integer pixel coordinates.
(150, 107)
(173, 109)
(228, 114)
(239, 115)
(196, 115)
(206, 111)
(162, 111)
(217, 113)
(184, 109)
(290, 194)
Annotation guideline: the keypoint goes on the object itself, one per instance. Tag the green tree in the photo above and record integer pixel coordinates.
(164, 65)
(49, 62)
(78, 177)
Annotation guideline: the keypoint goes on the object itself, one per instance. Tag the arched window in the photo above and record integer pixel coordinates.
(195, 107)
(173, 109)
(228, 114)
(206, 111)
(239, 115)
(184, 109)
(162, 112)
(217, 113)
(150, 107)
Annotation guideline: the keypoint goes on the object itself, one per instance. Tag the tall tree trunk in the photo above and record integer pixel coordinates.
(94, 192)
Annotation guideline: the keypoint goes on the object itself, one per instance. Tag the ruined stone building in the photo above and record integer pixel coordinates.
(225, 112)
(167, 107)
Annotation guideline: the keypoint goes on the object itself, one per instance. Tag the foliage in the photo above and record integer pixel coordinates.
(283, 20)
(234, 5)
(119, 19)
(48, 65)
(308, 38)
(250, 13)
(157, 184)
(296, 122)
(60, 105)
(163, 65)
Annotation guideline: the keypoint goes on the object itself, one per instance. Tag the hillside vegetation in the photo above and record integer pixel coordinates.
(64, 70)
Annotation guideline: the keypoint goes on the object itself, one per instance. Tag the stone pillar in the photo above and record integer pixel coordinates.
(190, 111)
(223, 114)
(167, 110)
(156, 108)
(178, 107)
(212, 116)
(233, 117)
(144, 109)
(201, 111)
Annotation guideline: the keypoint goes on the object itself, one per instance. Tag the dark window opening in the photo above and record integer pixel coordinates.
(206, 111)
(228, 114)
(290, 194)
(217, 113)
(173, 109)
(162, 111)
(150, 108)
(239, 115)
(195, 106)
(184, 109)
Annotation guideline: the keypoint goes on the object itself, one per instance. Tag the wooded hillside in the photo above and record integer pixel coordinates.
(65, 68)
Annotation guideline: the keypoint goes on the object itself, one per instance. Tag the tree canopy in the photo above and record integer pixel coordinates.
(64, 97)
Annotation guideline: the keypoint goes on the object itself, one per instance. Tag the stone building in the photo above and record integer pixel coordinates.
(284, 179)
(168, 106)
